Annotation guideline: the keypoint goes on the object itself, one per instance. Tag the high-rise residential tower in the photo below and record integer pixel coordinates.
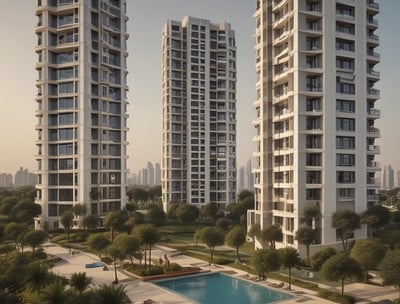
(81, 98)
(315, 104)
(199, 112)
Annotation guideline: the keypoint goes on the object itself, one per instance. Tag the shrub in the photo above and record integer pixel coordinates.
(79, 237)
(173, 267)
(143, 270)
(222, 261)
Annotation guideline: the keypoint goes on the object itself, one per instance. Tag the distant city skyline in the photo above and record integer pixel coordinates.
(18, 77)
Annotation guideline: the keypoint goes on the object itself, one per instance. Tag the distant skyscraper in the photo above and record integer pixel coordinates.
(387, 177)
(150, 174)
(249, 184)
(241, 179)
(24, 178)
(199, 112)
(6, 180)
(398, 178)
(145, 177)
(81, 113)
(315, 113)
(157, 174)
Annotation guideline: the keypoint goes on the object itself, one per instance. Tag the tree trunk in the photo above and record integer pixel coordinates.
(212, 253)
(308, 254)
(237, 255)
(342, 287)
(150, 256)
(290, 278)
(115, 271)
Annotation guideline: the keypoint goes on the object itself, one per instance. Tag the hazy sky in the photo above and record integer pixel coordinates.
(147, 17)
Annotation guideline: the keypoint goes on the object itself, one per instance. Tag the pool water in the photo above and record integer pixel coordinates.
(218, 288)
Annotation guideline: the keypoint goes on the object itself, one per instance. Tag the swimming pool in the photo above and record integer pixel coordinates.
(217, 288)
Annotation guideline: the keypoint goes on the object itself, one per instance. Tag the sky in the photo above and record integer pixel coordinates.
(146, 20)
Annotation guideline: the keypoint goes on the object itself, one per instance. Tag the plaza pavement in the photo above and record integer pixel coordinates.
(142, 292)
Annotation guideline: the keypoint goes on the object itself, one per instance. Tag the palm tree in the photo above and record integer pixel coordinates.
(111, 294)
(36, 276)
(55, 293)
(147, 235)
(80, 282)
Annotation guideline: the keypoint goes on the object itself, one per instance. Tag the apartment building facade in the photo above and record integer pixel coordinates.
(315, 122)
(81, 107)
(199, 113)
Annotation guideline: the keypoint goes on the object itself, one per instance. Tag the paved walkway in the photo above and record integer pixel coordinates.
(139, 291)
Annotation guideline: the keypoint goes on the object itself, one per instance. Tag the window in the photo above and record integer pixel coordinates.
(346, 106)
(345, 88)
(345, 124)
(65, 88)
(313, 194)
(66, 164)
(313, 104)
(313, 159)
(346, 28)
(345, 142)
(345, 160)
(346, 193)
(344, 45)
(314, 141)
(345, 177)
(345, 63)
(345, 10)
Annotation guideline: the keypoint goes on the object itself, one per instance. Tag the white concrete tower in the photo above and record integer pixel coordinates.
(199, 112)
(82, 107)
(315, 125)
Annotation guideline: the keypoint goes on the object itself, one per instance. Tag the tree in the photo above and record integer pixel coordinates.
(368, 253)
(212, 237)
(320, 257)
(79, 210)
(67, 220)
(236, 237)
(223, 223)
(15, 232)
(90, 221)
(255, 231)
(306, 236)
(115, 220)
(36, 276)
(55, 293)
(265, 261)
(35, 238)
(155, 215)
(390, 269)
(311, 213)
(80, 282)
(128, 244)
(111, 294)
(289, 258)
(209, 210)
(139, 195)
(245, 194)
(148, 235)
(98, 242)
(136, 218)
(345, 221)
(341, 267)
(272, 234)
(116, 254)
(376, 217)
(171, 213)
(25, 211)
(187, 213)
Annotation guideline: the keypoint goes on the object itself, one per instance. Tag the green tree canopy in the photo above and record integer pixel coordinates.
(35, 238)
(265, 261)
(115, 220)
(128, 244)
(187, 213)
(155, 215)
(390, 268)
(147, 235)
(117, 253)
(289, 258)
(346, 222)
(368, 253)
(272, 234)
(341, 267)
(212, 237)
(306, 236)
(376, 217)
(90, 221)
(320, 257)
(98, 242)
(111, 294)
(79, 281)
(209, 210)
(235, 238)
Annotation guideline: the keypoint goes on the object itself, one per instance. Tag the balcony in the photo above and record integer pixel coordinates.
(371, 180)
(373, 74)
(373, 132)
(372, 5)
(373, 165)
(373, 38)
(373, 149)
(373, 93)
(373, 56)
(374, 113)
(372, 197)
